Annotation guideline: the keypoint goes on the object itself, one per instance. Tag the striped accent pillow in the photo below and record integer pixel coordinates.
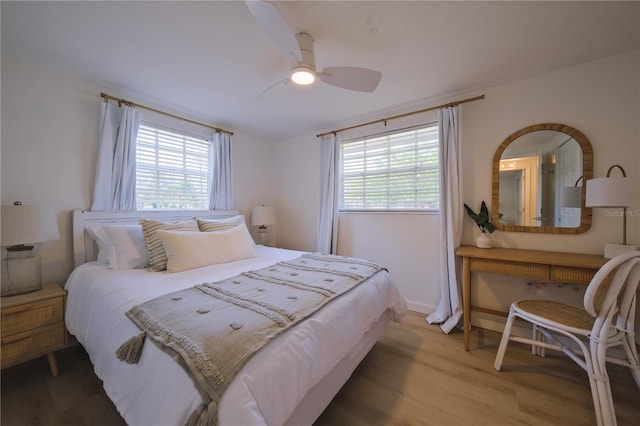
(212, 225)
(157, 255)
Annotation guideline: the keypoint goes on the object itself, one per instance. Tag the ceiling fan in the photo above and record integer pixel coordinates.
(300, 46)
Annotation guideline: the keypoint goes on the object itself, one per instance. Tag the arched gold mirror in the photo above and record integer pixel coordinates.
(538, 181)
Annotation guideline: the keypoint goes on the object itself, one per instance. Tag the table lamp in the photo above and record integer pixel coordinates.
(571, 196)
(612, 192)
(23, 226)
(263, 216)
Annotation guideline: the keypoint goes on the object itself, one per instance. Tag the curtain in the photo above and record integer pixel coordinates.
(115, 181)
(221, 197)
(449, 310)
(327, 238)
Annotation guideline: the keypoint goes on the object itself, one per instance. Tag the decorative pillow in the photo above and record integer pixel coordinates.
(121, 246)
(189, 250)
(211, 225)
(150, 228)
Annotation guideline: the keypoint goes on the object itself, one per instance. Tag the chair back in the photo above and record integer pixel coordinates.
(611, 294)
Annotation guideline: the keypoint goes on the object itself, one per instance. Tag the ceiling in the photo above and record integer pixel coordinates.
(210, 61)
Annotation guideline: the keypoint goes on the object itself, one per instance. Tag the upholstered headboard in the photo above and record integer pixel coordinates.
(85, 249)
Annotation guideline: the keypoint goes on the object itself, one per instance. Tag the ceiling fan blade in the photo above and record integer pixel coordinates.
(268, 89)
(351, 78)
(273, 23)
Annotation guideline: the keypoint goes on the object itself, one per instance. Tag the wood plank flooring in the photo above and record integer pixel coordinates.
(415, 375)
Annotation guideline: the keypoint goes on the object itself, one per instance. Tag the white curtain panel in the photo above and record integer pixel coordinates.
(221, 197)
(327, 238)
(449, 310)
(115, 182)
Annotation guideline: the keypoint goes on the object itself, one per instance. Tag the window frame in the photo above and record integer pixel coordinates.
(185, 136)
(436, 166)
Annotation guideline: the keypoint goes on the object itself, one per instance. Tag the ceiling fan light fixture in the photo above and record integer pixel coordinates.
(303, 75)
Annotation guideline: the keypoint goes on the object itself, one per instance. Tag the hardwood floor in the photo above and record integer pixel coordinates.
(415, 375)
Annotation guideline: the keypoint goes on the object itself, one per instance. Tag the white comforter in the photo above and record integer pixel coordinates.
(157, 391)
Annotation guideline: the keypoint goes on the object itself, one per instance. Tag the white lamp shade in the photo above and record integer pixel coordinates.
(263, 215)
(609, 192)
(27, 225)
(571, 196)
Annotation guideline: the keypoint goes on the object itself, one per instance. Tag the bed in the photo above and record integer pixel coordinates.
(289, 381)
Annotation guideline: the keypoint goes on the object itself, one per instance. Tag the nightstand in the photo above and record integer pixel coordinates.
(33, 325)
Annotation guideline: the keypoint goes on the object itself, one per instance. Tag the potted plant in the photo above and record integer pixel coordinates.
(486, 227)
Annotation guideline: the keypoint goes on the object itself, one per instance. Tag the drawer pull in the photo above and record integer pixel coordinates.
(13, 339)
(17, 310)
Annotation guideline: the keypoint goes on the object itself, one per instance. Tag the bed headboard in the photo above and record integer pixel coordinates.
(84, 248)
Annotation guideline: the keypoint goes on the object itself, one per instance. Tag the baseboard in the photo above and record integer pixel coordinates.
(496, 323)
(421, 308)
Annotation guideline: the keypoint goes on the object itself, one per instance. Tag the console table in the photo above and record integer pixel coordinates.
(571, 268)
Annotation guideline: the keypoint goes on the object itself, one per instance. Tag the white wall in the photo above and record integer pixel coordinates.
(599, 98)
(49, 145)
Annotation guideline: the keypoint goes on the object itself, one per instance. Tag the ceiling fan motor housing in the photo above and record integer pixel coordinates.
(305, 41)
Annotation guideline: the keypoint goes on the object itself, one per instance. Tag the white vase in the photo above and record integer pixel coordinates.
(484, 241)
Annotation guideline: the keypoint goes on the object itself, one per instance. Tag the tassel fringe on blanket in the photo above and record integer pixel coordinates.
(131, 350)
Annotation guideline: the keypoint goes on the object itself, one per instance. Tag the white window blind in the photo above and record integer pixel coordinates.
(172, 169)
(391, 172)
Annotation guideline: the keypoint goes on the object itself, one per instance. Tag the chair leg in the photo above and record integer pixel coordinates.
(506, 334)
(538, 336)
(605, 401)
(630, 351)
(593, 385)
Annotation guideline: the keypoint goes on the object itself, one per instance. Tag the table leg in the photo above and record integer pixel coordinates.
(53, 364)
(466, 300)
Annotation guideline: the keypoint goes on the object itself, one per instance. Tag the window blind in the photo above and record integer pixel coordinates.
(395, 171)
(172, 169)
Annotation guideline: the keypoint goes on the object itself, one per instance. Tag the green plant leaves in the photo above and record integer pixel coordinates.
(482, 218)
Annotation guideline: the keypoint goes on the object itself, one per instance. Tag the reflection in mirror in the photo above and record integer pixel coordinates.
(537, 180)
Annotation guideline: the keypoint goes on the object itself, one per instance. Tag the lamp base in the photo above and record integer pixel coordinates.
(20, 275)
(263, 236)
(611, 250)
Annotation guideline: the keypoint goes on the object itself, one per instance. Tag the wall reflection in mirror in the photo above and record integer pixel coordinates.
(540, 173)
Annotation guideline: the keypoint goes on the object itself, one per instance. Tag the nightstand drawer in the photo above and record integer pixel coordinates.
(32, 315)
(20, 346)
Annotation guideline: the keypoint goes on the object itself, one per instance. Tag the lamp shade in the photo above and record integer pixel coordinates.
(571, 196)
(27, 225)
(609, 192)
(263, 215)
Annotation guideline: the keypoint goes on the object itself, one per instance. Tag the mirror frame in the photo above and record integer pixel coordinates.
(587, 173)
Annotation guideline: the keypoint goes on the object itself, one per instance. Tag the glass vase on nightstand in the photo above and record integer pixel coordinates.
(263, 236)
(20, 273)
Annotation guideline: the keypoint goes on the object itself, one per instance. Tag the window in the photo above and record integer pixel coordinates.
(391, 172)
(173, 169)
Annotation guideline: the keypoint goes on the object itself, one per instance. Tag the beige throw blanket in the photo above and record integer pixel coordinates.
(213, 329)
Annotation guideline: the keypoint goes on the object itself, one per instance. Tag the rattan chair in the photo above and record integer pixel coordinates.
(607, 320)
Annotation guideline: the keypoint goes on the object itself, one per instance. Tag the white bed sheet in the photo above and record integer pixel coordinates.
(157, 391)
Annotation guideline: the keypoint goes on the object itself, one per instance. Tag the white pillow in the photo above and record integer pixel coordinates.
(121, 246)
(188, 250)
(103, 255)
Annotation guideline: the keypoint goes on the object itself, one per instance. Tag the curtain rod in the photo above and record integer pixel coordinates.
(126, 102)
(384, 120)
